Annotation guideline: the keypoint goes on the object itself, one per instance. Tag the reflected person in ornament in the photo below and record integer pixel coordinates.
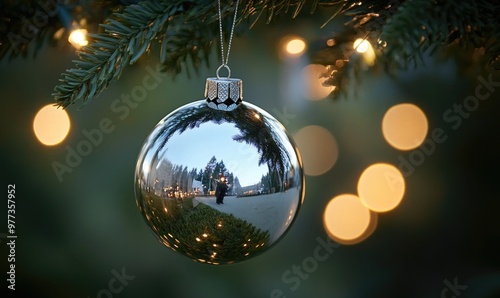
(220, 190)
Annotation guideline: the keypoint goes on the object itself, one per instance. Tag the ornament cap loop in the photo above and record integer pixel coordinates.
(226, 67)
(224, 94)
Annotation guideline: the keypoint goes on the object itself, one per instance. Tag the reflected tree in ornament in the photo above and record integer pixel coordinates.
(255, 130)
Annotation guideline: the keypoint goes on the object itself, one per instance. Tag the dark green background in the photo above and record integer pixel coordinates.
(73, 234)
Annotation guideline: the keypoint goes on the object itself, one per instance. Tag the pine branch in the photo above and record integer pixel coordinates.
(127, 36)
(402, 32)
(185, 30)
(27, 25)
(18, 29)
(185, 40)
(426, 26)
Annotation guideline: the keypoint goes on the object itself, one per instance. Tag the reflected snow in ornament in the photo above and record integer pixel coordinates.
(181, 164)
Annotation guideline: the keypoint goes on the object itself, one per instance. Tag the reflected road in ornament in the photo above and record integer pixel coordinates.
(180, 169)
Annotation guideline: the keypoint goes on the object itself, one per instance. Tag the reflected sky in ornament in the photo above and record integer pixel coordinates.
(189, 151)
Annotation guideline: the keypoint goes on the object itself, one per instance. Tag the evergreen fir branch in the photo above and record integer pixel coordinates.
(27, 25)
(127, 36)
(18, 29)
(425, 26)
(191, 36)
(184, 29)
(186, 40)
(254, 10)
(403, 31)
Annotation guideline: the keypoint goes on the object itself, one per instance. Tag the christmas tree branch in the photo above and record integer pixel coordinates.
(184, 29)
(126, 37)
(26, 26)
(426, 25)
(401, 32)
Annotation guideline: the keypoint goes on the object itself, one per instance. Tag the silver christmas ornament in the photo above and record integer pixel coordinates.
(219, 180)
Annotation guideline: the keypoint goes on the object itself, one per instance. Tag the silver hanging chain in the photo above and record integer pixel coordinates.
(226, 59)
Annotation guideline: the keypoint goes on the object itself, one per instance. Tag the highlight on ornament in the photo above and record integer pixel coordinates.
(219, 186)
(318, 149)
(51, 125)
(78, 38)
(381, 187)
(405, 126)
(347, 220)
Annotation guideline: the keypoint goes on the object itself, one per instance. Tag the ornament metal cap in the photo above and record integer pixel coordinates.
(224, 94)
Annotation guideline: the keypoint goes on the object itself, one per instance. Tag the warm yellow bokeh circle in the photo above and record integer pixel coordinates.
(291, 47)
(318, 149)
(405, 126)
(51, 125)
(313, 79)
(381, 187)
(295, 46)
(78, 38)
(346, 218)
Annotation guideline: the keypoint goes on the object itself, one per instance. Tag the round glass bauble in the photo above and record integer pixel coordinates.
(218, 186)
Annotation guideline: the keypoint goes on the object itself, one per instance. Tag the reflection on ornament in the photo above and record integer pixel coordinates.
(198, 153)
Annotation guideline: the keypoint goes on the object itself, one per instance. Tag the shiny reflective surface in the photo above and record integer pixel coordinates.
(196, 149)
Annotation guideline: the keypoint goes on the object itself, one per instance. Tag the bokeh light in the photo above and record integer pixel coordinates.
(372, 226)
(381, 187)
(51, 125)
(364, 47)
(292, 46)
(361, 45)
(346, 218)
(78, 38)
(405, 126)
(318, 149)
(313, 79)
(296, 46)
